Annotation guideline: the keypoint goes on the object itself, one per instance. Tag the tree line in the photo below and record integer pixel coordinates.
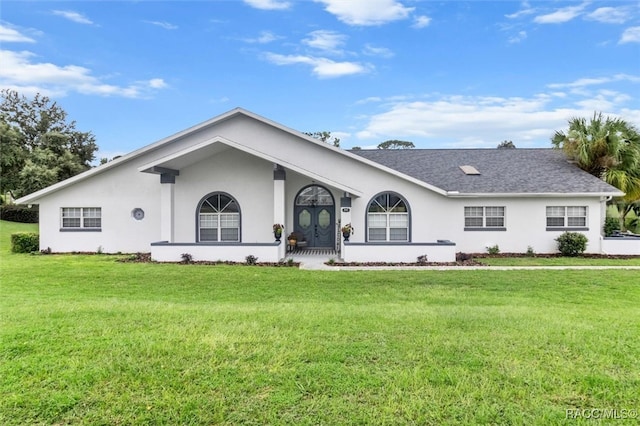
(39, 145)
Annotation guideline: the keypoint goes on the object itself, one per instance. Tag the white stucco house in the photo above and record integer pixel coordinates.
(215, 191)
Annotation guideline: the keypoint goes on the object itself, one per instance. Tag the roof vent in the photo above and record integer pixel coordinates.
(469, 170)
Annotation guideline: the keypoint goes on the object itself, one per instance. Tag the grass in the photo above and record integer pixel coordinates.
(87, 340)
(8, 228)
(557, 261)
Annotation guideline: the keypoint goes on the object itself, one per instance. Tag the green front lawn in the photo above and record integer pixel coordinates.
(558, 261)
(8, 228)
(87, 340)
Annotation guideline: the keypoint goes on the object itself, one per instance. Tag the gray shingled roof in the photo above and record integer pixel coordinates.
(501, 170)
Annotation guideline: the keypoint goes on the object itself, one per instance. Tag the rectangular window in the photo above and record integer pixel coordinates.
(484, 217)
(398, 227)
(377, 226)
(219, 227)
(208, 227)
(81, 218)
(229, 226)
(566, 217)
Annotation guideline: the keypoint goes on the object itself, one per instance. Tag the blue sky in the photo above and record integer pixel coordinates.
(442, 74)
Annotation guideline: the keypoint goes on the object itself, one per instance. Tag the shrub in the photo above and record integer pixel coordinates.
(611, 225)
(251, 259)
(25, 242)
(19, 213)
(463, 257)
(530, 251)
(186, 258)
(422, 259)
(572, 243)
(493, 249)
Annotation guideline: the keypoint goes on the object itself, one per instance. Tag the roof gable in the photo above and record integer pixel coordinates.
(159, 152)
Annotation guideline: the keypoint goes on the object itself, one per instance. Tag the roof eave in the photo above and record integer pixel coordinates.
(456, 194)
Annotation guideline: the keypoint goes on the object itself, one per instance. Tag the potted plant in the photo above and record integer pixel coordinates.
(347, 230)
(277, 230)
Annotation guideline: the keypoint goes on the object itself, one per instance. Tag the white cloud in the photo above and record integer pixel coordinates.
(157, 83)
(321, 67)
(526, 9)
(163, 24)
(73, 16)
(630, 35)
(328, 41)
(518, 37)
(604, 100)
(371, 99)
(583, 82)
(421, 21)
(268, 4)
(484, 121)
(565, 14)
(382, 52)
(610, 15)
(10, 35)
(19, 71)
(265, 37)
(367, 12)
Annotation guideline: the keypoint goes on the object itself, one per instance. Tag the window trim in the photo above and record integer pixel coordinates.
(82, 217)
(484, 218)
(565, 219)
(218, 241)
(387, 239)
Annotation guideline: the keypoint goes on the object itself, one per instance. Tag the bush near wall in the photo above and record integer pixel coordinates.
(572, 243)
(19, 213)
(25, 242)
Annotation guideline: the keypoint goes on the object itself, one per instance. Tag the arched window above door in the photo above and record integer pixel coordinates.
(314, 196)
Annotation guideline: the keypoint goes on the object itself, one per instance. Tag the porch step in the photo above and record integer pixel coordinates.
(313, 251)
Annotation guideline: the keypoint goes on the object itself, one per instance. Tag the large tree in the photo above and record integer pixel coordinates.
(396, 144)
(39, 146)
(608, 148)
(506, 145)
(324, 137)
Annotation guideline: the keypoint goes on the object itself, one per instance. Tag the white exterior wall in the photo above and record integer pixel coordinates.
(525, 222)
(398, 253)
(213, 253)
(117, 192)
(626, 246)
(249, 179)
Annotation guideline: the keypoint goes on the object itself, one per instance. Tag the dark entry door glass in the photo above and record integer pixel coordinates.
(315, 216)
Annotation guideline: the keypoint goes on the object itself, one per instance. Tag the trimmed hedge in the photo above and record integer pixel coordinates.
(25, 242)
(572, 243)
(20, 213)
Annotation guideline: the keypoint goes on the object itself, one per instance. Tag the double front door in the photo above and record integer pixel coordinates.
(314, 213)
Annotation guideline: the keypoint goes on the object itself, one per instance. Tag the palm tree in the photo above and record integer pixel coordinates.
(608, 148)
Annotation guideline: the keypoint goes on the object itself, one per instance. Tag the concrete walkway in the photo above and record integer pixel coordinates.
(312, 262)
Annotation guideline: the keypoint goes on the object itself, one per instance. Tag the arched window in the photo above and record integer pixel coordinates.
(388, 218)
(218, 218)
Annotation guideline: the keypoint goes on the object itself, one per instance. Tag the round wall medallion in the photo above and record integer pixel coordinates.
(137, 214)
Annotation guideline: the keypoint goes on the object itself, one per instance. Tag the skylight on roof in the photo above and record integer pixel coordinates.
(469, 170)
